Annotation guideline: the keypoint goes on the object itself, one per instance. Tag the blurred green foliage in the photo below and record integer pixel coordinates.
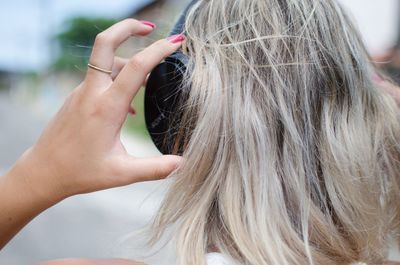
(76, 42)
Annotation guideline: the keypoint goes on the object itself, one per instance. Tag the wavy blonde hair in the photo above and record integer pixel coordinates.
(292, 151)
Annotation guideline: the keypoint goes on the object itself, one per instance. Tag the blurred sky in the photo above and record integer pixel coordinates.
(378, 21)
(26, 26)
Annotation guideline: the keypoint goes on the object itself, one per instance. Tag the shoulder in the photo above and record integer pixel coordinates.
(91, 262)
(216, 259)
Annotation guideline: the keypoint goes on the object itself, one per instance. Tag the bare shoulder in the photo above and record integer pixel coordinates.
(91, 262)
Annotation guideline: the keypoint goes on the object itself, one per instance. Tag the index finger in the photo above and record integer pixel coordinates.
(109, 40)
(133, 75)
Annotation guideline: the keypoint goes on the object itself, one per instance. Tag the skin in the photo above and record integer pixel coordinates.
(80, 151)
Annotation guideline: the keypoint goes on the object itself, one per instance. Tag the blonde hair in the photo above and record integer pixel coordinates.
(292, 151)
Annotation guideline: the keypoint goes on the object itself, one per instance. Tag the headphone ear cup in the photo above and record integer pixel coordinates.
(164, 96)
(163, 100)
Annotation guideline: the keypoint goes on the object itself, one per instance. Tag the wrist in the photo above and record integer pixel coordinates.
(31, 176)
(23, 196)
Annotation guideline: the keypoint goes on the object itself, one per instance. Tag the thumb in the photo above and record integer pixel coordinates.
(155, 168)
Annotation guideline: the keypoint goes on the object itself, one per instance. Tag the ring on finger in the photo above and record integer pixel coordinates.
(99, 69)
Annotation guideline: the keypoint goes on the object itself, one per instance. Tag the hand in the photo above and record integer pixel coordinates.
(81, 151)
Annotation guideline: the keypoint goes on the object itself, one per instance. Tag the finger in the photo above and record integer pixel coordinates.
(133, 75)
(145, 80)
(132, 111)
(146, 169)
(119, 63)
(109, 40)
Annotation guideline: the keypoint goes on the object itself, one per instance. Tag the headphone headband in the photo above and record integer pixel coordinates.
(180, 23)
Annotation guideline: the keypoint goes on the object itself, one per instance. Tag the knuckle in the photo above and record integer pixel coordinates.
(136, 63)
(162, 48)
(161, 44)
(102, 108)
(157, 173)
(158, 48)
(101, 39)
(163, 170)
(129, 21)
(94, 111)
(75, 98)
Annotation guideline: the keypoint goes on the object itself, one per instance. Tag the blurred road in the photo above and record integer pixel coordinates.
(83, 226)
(17, 132)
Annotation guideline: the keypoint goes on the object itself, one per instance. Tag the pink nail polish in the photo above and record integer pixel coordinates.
(176, 38)
(148, 23)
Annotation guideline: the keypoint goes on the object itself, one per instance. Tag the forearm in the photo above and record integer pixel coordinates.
(21, 199)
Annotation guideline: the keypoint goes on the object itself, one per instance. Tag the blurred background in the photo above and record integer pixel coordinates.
(43, 55)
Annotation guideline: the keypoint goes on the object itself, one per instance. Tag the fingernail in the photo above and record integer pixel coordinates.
(176, 38)
(148, 23)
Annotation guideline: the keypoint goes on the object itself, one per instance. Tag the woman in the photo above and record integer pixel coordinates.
(293, 153)
(292, 156)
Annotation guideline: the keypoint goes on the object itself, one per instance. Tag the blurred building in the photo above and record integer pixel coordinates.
(162, 12)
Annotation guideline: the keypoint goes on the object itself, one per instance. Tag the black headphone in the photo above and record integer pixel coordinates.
(164, 95)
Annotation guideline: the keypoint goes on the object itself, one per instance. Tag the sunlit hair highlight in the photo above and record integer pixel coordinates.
(294, 151)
